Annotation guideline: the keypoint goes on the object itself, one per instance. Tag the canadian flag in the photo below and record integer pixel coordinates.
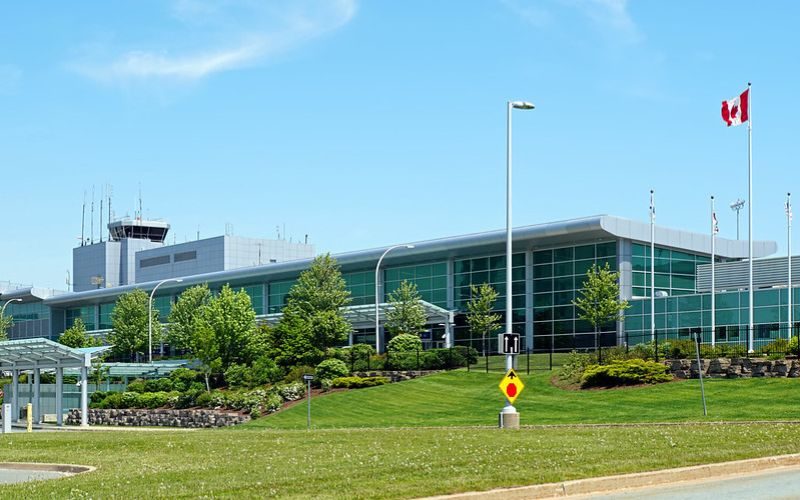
(736, 111)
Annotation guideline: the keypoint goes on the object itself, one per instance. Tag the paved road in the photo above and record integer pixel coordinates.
(780, 483)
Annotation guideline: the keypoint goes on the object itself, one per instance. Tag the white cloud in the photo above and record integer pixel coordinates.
(257, 29)
(611, 15)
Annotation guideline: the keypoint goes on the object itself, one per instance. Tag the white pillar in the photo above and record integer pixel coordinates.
(15, 394)
(84, 397)
(37, 407)
(59, 396)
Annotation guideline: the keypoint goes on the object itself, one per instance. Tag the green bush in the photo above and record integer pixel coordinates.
(296, 373)
(136, 386)
(158, 385)
(357, 357)
(627, 372)
(183, 379)
(330, 369)
(404, 342)
(573, 367)
(358, 382)
(188, 399)
(794, 346)
(97, 397)
(776, 347)
(290, 392)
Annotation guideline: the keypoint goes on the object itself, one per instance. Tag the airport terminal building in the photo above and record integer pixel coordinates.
(549, 266)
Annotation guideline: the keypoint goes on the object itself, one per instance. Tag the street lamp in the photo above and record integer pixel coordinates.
(509, 408)
(377, 296)
(150, 317)
(3, 310)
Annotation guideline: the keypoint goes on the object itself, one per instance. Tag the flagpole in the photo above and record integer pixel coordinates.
(652, 267)
(713, 280)
(750, 215)
(789, 260)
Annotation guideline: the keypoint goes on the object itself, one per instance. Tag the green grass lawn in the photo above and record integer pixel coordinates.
(459, 398)
(369, 463)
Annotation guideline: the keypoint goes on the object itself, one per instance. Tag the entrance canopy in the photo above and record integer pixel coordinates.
(363, 316)
(40, 353)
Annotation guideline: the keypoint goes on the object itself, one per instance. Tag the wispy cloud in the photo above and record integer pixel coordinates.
(252, 32)
(610, 16)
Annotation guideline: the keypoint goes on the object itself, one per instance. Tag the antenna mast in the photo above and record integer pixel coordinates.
(83, 219)
(91, 219)
(102, 195)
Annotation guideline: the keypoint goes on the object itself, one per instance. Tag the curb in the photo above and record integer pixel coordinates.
(636, 480)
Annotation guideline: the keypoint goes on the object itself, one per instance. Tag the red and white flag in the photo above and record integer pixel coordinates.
(736, 111)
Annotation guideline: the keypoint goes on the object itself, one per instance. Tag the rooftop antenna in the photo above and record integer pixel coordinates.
(91, 219)
(198, 232)
(284, 230)
(141, 215)
(278, 231)
(83, 219)
(110, 190)
(68, 280)
(306, 240)
(102, 195)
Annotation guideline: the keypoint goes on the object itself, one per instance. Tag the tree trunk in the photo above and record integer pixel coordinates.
(208, 386)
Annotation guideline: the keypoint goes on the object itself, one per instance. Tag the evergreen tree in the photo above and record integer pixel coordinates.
(312, 319)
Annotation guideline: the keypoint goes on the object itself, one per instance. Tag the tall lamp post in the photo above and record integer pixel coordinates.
(150, 317)
(736, 206)
(3, 310)
(377, 296)
(511, 105)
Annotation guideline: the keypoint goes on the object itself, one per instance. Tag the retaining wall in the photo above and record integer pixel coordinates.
(735, 367)
(158, 418)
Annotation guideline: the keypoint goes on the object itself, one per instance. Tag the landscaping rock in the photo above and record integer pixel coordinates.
(158, 418)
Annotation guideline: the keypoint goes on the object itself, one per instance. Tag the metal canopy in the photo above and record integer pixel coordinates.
(29, 354)
(363, 316)
(140, 370)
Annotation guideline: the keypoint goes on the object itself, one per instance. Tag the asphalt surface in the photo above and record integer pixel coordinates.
(780, 483)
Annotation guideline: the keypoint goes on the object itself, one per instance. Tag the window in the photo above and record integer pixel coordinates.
(154, 261)
(184, 256)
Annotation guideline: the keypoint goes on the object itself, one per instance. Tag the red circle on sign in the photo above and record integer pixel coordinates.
(511, 390)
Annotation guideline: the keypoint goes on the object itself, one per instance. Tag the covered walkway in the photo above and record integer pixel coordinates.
(33, 356)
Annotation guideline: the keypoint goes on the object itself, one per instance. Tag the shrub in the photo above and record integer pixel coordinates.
(158, 385)
(291, 392)
(188, 399)
(184, 378)
(331, 369)
(794, 346)
(296, 373)
(357, 357)
(203, 400)
(572, 369)
(405, 342)
(776, 347)
(97, 397)
(358, 382)
(136, 386)
(628, 372)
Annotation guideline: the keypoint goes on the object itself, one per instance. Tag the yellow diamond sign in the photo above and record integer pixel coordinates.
(511, 386)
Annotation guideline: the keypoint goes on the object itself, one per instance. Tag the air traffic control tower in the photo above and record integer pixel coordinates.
(112, 263)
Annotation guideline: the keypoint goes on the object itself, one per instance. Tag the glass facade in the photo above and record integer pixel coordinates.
(675, 271)
(430, 278)
(680, 317)
(361, 286)
(85, 313)
(492, 270)
(278, 290)
(256, 293)
(558, 276)
(31, 319)
(105, 316)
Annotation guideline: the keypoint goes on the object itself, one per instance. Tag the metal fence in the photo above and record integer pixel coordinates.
(71, 395)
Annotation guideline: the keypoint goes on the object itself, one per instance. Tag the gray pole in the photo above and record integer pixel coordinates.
(652, 267)
(700, 372)
(750, 215)
(713, 280)
(789, 260)
(510, 105)
(378, 297)
(308, 398)
(150, 318)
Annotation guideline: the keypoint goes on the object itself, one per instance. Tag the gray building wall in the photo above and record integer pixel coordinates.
(221, 253)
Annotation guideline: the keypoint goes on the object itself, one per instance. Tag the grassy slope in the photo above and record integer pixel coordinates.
(461, 398)
(370, 463)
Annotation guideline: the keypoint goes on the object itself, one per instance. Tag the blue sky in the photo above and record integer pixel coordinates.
(368, 123)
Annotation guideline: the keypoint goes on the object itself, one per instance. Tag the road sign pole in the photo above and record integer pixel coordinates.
(510, 386)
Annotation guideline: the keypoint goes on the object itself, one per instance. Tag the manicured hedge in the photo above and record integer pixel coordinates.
(358, 382)
(625, 372)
